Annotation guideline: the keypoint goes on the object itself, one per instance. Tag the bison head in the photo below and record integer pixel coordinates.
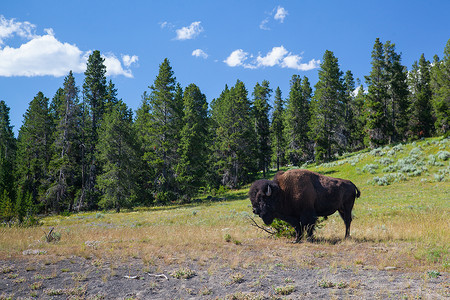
(263, 195)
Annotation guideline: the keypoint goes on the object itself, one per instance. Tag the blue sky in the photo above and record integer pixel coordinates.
(209, 43)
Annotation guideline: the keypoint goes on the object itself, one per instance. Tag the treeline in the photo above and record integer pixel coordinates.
(83, 150)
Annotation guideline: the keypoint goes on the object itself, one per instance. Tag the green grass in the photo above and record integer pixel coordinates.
(402, 223)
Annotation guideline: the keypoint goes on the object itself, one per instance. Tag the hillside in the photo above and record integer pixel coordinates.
(399, 246)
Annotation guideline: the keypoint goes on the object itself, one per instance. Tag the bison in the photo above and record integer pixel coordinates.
(299, 197)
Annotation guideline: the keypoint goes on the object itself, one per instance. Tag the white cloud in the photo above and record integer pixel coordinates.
(44, 55)
(273, 57)
(263, 24)
(9, 28)
(237, 58)
(190, 32)
(200, 53)
(278, 56)
(280, 14)
(129, 60)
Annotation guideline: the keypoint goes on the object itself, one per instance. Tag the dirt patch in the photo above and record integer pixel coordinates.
(47, 277)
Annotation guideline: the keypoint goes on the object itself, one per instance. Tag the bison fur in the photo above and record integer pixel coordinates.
(299, 197)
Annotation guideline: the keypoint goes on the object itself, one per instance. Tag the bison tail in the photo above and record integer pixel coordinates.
(358, 193)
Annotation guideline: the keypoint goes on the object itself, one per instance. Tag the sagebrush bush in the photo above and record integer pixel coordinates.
(377, 152)
(416, 152)
(385, 161)
(398, 148)
(370, 168)
(388, 179)
(443, 155)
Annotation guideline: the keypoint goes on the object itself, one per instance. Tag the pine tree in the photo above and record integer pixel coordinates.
(56, 102)
(261, 107)
(348, 124)
(147, 175)
(111, 96)
(118, 154)
(421, 122)
(163, 125)
(397, 94)
(278, 142)
(441, 91)
(64, 167)
(234, 139)
(193, 150)
(359, 119)
(377, 125)
(33, 150)
(7, 153)
(296, 120)
(94, 97)
(6, 207)
(327, 108)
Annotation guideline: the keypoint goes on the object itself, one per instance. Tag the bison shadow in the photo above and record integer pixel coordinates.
(338, 240)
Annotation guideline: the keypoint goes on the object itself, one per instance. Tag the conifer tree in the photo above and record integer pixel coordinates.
(441, 91)
(377, 125)
(348, 125)
(359, 119)
(118, 154)
(64, 167)
(261, 107)
(163, 128)
(34, 152)
(111, 96)
(327, 108)
(278, 142)
(7, 153)
(6, 207)
(94, 98)
(234, 142)
(193, 151)
(147, 175)
(296, 120)
(397, 94)
(421, 122)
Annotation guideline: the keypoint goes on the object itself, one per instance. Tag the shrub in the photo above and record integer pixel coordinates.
(283, 229)
(183, 273)
(398, 148)
(416, 152)
(443, 155)
(388, 179)
(285, 290)
(380, 181)
(377, 152)
(370, 168)
(385, 161)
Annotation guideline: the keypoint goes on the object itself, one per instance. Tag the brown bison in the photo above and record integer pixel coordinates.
(300, 196)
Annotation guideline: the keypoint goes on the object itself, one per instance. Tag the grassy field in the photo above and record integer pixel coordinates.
(401, 221)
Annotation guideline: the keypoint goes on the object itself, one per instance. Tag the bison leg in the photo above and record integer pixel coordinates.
(308, 222)
(347, 217)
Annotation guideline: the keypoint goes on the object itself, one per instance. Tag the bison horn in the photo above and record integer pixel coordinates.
(269, 191)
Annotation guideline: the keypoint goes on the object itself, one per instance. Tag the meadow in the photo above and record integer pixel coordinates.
(401, 224)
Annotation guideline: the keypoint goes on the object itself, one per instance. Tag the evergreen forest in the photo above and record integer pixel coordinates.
(84, 149)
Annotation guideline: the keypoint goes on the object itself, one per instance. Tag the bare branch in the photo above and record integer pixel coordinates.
(158, 275)
(271, 232)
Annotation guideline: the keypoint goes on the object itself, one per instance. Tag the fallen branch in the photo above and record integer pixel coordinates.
(132, 277)
(158, 275)
(49, 236)
(271, 232)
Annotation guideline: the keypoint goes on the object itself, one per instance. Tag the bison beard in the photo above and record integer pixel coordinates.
(299, 197)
